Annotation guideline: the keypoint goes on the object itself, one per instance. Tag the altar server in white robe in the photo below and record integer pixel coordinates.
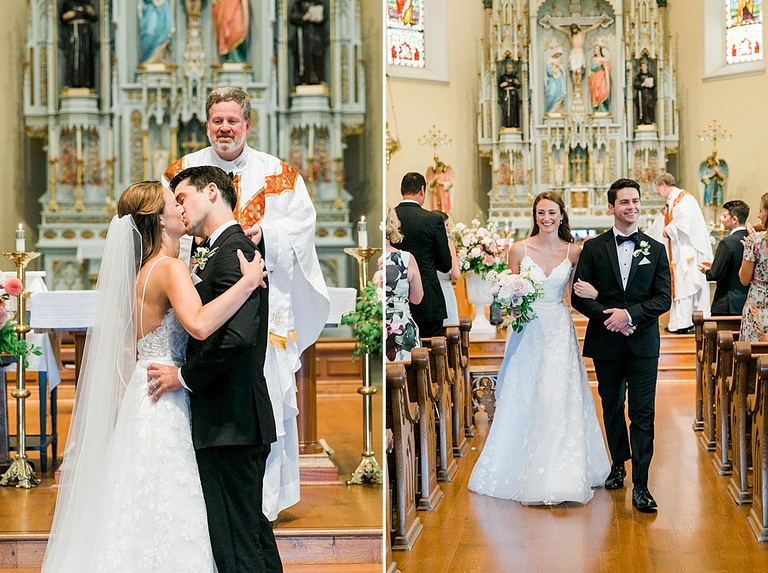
(273, 206)
(681, 226)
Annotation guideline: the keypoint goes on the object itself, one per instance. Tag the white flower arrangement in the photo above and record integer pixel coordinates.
(479, 249)
(516, 293)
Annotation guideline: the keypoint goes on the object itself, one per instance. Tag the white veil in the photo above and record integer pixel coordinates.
(108, 363)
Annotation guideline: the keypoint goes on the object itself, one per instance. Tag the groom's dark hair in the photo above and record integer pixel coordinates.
(621, 184)
(202, 175)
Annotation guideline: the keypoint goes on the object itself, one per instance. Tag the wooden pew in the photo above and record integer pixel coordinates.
(742, 385)
(438, 366)
(758, 407)
(402, 416)
(465, 325)
(420, 385)
(453, 339)
(705, 364)
(725, 342)
(698, 331)
(389, 563)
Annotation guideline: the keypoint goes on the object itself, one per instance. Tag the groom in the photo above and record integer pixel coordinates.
(631, 274)
(232, 421)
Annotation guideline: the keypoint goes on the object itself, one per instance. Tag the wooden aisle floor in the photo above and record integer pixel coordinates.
(331, 506)
(698, 527)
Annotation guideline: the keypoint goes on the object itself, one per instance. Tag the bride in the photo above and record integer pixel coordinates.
(545, 445)
(130, 498)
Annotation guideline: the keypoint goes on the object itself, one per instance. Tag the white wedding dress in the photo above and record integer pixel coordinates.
(545, 445)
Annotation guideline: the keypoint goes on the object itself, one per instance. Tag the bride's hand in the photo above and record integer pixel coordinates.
(583, 289)
(253, 270)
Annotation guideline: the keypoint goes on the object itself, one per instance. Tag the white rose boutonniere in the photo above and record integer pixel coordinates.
(643, 249)
(201, 255)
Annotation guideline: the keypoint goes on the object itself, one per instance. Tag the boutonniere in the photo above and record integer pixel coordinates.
(201, 255)
(643, 249)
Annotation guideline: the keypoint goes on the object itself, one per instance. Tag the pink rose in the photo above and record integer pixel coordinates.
(14, 287)
(488, 260)
(520, 287)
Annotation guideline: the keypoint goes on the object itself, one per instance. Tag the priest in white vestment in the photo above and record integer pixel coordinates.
(681, 226)
(274, 203)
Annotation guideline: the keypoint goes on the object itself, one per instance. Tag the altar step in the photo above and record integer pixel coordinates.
(677, 357)
(301, 547)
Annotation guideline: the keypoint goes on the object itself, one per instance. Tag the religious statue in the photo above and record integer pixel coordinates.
(231, 21)
(440, 183)
(80, 57)
(554, 84)
(576, 61)
(645, 96)
(309, 42)
(156, 27)
(508, 96)
(160, 161)
(599, 169)
(713, 173)
(600, 81)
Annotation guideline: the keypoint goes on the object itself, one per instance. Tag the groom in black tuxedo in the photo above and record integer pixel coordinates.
(232, 421)
(630, 272)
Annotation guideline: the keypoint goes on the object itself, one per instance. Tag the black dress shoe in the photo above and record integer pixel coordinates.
(616, 477)
(643, 500)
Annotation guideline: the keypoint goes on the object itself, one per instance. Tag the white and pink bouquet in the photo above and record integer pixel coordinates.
(516, 293)
(479, 249)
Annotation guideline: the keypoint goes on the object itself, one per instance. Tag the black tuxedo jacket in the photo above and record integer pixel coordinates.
(425, 238)
(646, 297)
(730, 294)
(225, 372)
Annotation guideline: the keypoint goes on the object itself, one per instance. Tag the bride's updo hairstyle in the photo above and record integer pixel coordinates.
(144, 202)
(393, 226)
(564, 228)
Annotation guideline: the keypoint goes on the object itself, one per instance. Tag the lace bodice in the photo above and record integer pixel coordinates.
(168, 341)
(557, 281)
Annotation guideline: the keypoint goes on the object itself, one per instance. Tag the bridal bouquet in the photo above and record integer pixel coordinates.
(479, 249)
(516, 293)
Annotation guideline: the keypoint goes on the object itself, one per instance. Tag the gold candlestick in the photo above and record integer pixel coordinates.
(338, 204)
(21, 471)
(110, 205)
(368, 471)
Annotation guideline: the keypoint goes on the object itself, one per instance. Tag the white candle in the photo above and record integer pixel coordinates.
(506, 225)
(362, 233)
(79, 142)
(109, 144)
(20, 241)
(311, 141)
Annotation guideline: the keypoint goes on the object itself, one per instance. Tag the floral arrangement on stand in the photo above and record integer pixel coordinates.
(480, 249)
(367, 318)
(9, 340)
(516, 293)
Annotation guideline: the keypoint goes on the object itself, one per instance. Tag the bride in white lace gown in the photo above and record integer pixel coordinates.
(130, 498)
(545, 445)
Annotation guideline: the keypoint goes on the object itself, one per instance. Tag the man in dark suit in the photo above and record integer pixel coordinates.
(424, 237)
(630, 272)
(730, 294)
(232, 421)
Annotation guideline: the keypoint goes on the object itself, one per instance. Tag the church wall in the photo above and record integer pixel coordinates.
(736, 102)
(19, 204)
(451, 107)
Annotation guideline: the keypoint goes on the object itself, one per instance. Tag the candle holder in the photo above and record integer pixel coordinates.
(368, 471)
(110, 204)
(21, 470)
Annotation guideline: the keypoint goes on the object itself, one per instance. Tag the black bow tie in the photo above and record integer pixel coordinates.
(206, 244)
(621, 238)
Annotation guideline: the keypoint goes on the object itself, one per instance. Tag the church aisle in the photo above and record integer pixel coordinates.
(698, 526)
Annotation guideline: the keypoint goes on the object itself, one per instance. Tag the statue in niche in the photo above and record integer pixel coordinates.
(599, 169)
(644, 85)
(600, 81)
(509, 84)
(160, 161)
(440, 182)
(713, 174)
(309, 42)
(554, 84)
(231, 21)
(576, 60)
(156, 27)
(80, 58)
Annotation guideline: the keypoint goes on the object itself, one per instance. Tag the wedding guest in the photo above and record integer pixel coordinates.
(446, 279)
(754, 273)
(403, 286)
(730, 294)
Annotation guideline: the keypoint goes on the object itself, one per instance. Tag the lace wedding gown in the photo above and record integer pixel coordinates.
(153, 517)
(545, 445)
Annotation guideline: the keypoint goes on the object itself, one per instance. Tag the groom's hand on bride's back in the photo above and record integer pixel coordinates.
(162, 378)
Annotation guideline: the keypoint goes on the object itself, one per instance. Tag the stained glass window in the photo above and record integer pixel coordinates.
(405, 33)
(743, 31)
